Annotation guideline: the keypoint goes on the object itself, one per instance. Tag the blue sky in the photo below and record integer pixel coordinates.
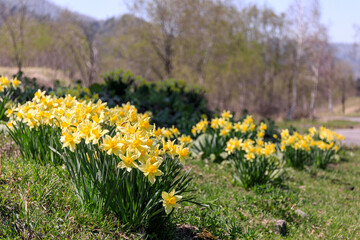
(338, 15)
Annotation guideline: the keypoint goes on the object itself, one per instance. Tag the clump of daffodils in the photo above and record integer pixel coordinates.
(200, 127)
(244, 144)
(220, 134)
(254, 159)
(6, 83)
(316, 146)
(296, 141)
(7, 87)
(121, 132)
(327, 135)
(226, 127)
(251, 148)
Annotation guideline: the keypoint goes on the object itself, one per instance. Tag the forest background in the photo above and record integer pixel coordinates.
(247, 58)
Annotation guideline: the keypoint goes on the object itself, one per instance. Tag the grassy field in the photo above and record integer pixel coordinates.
(325, 196)
(36, 203)
(352, 108)
(45, 76)
(303, 124)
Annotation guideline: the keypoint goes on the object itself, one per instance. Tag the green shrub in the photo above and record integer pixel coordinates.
(171, 102)
(28, 89)
(76, 91)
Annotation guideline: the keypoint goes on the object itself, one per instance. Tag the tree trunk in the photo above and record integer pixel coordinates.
(343, 98)
(314, 92)
(330, 105)
(294, 96)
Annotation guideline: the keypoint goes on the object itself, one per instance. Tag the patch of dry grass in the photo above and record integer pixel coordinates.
(45, 76)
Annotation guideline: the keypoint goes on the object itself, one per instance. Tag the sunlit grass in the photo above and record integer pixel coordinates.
(36, 202)
(352, 108)
(325, 196)
(303, 124)
(45, 76)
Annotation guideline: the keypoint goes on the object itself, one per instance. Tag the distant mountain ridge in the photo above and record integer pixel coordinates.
(44, 8)
(349, 53)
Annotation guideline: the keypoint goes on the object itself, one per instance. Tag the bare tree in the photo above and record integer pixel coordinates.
(79, 38)
(329, 76)
(344, 79)
(299, 33)
(168, 22)
(318, 49)
(14, 20)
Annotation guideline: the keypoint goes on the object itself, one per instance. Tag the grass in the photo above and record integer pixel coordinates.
(352, 108)
(303, 124)
(334, 210)
(35, 203)
(340, 124)
(45, 76)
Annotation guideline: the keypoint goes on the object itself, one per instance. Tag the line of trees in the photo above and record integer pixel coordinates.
(248, 58)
